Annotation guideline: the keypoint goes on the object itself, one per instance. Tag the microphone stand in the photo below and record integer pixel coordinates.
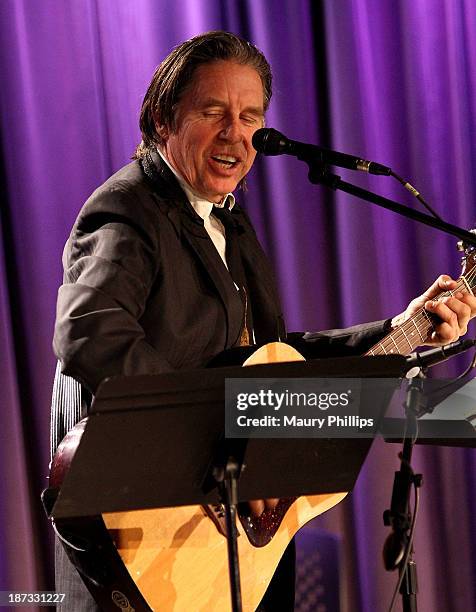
(398, 548)
(319, 175)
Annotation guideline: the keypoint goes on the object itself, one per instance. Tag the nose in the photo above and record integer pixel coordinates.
(231, 130)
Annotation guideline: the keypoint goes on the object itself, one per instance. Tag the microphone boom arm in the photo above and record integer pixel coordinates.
(319, 174)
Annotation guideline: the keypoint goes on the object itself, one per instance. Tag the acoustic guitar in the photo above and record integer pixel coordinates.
(175, 559)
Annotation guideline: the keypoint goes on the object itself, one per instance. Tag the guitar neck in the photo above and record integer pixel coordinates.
(414, 331)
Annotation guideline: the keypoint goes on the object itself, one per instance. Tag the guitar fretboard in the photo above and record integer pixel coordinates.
(414, 331)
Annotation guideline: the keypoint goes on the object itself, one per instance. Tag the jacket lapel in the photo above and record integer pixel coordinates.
(189, 227)
(268, 319)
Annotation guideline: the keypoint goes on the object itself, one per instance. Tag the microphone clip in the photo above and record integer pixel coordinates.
(319, 174)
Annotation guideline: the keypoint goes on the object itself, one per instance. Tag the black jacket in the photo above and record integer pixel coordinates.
(145, 291)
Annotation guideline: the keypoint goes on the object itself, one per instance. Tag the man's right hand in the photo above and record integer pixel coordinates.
(258, 506)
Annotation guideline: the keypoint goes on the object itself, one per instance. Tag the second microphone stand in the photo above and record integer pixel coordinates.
(398, 547)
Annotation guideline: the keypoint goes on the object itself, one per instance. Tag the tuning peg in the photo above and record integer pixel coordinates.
(463, 247)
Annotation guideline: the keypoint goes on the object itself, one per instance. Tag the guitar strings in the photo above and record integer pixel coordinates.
(398, 340)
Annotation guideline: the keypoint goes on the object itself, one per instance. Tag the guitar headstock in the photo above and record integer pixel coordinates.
(468, 261)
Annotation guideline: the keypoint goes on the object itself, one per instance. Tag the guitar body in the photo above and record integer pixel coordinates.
(178, 559)
(175, 559)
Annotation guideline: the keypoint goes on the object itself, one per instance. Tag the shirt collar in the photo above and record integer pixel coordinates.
(202, 207)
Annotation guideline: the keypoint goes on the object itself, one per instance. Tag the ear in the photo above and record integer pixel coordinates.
(162, 130)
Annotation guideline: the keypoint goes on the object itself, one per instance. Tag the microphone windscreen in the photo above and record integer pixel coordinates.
(269, 141)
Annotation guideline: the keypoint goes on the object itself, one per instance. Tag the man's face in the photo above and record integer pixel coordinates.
(216, 118)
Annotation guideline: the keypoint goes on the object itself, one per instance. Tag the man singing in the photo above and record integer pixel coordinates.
(163, 269)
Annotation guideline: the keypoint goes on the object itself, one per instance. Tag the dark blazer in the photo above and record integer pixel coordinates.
(145, 291)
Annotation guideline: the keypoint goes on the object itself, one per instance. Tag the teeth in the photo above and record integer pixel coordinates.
(225, 158)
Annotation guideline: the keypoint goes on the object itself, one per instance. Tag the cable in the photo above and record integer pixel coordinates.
(409, 548)
(462, 375)
(415, 193)
(437, 393)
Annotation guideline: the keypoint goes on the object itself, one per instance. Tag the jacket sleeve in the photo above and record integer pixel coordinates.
(111, 261)
(346, 342)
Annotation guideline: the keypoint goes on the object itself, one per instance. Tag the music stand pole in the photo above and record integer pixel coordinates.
(227, 479)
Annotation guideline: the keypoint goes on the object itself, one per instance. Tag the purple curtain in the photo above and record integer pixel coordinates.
(402, 90)
(394, 82)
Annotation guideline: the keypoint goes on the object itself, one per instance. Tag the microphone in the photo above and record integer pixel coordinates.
(271, 142)
(429, 358)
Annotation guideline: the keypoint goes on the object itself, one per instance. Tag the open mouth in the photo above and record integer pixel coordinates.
(227, 161)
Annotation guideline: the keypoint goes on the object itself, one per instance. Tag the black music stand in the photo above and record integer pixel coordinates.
(156, 441)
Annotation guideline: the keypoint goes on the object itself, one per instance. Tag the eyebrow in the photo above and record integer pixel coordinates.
(255, 110)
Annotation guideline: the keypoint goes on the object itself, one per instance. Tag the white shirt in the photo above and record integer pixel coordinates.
(204, 208)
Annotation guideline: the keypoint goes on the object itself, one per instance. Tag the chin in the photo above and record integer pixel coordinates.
(220, 190)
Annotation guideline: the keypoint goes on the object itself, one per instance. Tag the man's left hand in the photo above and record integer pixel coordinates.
(454, 312)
